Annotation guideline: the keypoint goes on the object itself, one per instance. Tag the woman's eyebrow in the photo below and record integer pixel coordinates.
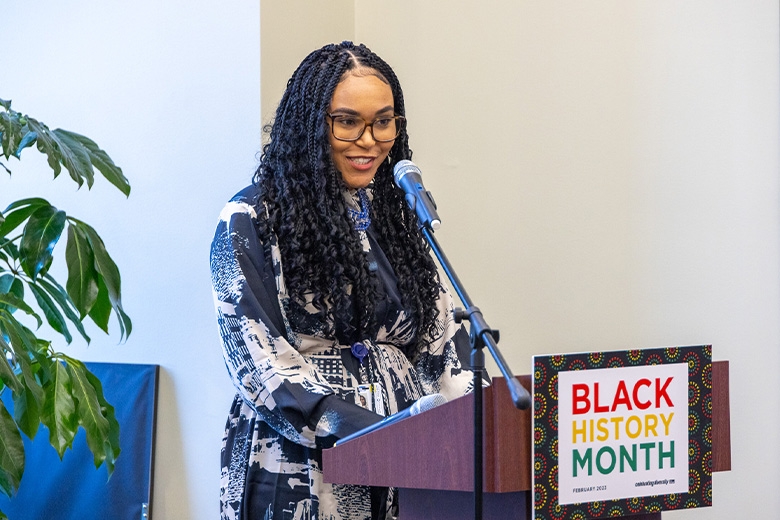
(347, 111)
(351, 112)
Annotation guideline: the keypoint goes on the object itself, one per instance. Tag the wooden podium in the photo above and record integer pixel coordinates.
(430, 456)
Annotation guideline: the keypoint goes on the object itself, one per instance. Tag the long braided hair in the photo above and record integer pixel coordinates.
(302, 193)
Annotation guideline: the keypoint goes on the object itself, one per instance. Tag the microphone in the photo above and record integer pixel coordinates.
(409, 178)
(423, 404)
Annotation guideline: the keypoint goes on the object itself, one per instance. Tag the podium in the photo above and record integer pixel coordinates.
(429, 457)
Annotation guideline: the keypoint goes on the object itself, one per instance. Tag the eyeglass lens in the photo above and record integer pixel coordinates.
(350, 128)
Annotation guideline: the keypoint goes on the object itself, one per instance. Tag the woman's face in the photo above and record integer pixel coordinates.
(366, 97)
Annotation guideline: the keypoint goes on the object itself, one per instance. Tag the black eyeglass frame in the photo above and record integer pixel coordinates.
(400, 121)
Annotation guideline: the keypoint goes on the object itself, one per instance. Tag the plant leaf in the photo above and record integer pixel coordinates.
(7, 375)
(23, 209)
(74, 157)
(111, 445)
(59, 410)
(32, 201)
(110, 273)
(10, 284)
(6, 127)
(41, 233)
(27, 140)
(79, 154)
(60, 296)
(101, 310)
(42, 358)
(82, 285)
(24, 346)
(11, 301)
(125, 324)
(11, 453)
(27, 412)
(53, 315)
(101, 161)
(11, 125)
(46, 145)
(11, 249)
(88, 410)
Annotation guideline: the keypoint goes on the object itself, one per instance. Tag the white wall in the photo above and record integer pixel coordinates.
(171, 91)
(292, 29)
(607, 174)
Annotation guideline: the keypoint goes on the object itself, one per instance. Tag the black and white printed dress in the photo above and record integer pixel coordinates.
(298, 389)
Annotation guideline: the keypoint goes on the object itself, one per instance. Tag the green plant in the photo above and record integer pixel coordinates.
(47, 386)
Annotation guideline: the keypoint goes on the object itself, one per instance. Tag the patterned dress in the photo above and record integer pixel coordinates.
(298, 390)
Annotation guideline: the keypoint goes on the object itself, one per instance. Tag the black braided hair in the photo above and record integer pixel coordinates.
(303, 194)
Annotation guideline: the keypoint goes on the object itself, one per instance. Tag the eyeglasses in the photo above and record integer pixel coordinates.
(350, 128)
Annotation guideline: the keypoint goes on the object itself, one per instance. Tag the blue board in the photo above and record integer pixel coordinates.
(72, 488)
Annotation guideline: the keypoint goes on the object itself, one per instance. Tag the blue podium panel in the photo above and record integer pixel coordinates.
(72, 488)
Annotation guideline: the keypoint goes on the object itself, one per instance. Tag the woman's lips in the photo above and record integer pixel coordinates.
(361, 163)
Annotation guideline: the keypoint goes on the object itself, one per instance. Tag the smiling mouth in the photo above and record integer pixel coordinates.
(362, 161)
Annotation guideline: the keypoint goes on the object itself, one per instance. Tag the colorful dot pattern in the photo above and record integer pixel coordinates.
(545, 432)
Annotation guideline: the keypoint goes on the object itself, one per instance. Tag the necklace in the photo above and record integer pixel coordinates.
(361, 219)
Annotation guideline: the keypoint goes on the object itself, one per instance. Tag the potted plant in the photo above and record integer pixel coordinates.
(47, 386)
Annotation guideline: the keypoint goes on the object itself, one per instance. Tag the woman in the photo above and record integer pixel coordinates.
(330, 308)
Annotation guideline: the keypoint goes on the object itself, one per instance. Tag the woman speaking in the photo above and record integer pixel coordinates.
(330, 309)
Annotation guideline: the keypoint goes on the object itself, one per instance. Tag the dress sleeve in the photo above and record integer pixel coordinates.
(443, 365)
(271, 376)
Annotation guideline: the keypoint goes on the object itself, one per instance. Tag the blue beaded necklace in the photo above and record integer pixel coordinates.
(361, 219)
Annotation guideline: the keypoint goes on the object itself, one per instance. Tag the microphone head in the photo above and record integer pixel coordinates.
(427, 402)
(402, 168)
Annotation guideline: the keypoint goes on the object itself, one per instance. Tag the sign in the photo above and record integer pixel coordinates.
(620, 433)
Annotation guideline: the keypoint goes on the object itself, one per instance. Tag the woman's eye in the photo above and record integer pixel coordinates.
(383, 122)
(346, 121)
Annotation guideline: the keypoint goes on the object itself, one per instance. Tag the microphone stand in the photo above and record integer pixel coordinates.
(481, 335)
